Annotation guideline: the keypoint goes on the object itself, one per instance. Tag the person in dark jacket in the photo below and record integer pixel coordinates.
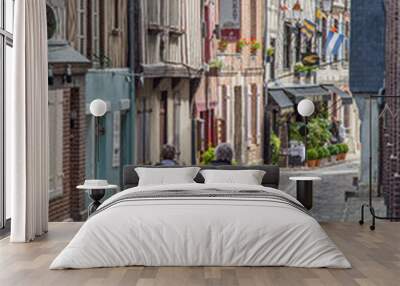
(223, 155)
(168, 154)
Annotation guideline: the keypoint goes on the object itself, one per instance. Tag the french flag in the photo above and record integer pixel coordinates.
(333, 43)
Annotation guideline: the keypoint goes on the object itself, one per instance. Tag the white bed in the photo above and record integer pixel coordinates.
(201, 231)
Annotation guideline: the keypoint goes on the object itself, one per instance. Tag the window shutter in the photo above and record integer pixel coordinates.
(177, 123)
(259, 115)
(248, 104)
(220, 102)
(228, 114)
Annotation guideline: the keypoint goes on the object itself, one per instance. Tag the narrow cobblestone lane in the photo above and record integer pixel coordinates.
(330, 193)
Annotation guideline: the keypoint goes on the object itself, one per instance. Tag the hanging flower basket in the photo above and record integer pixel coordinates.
(240, 45)
(254, 46)
(222, 45)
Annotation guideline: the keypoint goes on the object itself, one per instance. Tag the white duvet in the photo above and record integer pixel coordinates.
(202, 232)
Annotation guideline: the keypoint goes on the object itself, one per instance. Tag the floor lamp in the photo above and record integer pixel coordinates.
(98, 108)
(97, 188)
(305, 108)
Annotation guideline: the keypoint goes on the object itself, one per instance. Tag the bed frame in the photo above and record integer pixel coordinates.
(270, 179)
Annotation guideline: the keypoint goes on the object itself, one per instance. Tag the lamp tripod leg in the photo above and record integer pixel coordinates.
(372, 210)
(361, 221)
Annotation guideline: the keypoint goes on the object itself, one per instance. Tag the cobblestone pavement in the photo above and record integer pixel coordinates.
(329, 193)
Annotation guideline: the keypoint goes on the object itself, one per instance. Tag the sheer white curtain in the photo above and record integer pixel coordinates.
(26, 124)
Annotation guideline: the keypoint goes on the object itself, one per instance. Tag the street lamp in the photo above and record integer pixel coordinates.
(305, 108)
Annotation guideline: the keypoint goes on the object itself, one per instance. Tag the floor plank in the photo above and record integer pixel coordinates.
(375, 257)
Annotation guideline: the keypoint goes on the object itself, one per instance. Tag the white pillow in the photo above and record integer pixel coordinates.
(247, 177)
(166, 176)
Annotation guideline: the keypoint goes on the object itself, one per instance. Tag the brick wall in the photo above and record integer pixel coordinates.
(78, 156)
(390, 134)
(59, 206)
(70, 204)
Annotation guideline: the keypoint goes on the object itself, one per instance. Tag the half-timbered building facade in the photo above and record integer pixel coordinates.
(169, 64)
(229, 102)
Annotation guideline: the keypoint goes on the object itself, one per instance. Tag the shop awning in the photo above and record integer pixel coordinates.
(280, 97)
(344, 96)
(314, 92)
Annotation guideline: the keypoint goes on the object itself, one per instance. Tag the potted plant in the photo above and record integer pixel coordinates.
(312, 157)
(240, 45)
(215, 65)
(345, 150)
(324, 154)
(319, 157)
(270, 54)
(339, 152)
(299, 70)
(222, 45)
(254, 46)
(276, 148)
(333, 150)
(208, 156)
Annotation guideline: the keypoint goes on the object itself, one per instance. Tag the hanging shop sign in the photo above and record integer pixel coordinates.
(310, 59)
(230, 20)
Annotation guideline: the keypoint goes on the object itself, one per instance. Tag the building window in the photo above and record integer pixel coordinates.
(272, 60)
(174, 14)
(298, 45)
(253, 19)
(208, 37)
(224, 113)
(287, 49)
(164, 118)
(221, 115)
(116, 14)
(81, 26)
(324, 29)
(6, 64)
(177, 123)
(201, 132)
(346, 47)
(143, 126)
(95, 29)
(153, 11)
(254, 113)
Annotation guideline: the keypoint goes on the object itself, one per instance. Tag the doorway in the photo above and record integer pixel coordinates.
(238, 124)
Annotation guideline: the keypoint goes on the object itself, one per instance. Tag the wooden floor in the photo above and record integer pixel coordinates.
(375, 257)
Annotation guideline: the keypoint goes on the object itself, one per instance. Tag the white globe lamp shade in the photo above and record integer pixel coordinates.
(98, 107)
(306, 108)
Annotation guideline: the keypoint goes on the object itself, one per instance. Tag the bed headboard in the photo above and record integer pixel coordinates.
(271, 177)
